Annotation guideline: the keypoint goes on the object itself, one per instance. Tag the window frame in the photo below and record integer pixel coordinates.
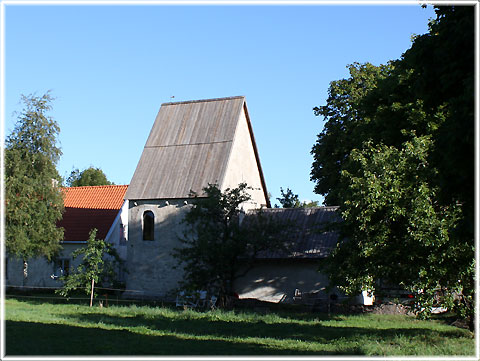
(62, 264)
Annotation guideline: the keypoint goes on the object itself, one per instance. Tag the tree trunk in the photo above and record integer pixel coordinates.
(91, 294)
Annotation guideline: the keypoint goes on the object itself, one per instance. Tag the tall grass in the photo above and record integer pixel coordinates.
(58, 329)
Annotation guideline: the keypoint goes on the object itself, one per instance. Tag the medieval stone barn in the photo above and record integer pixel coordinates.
(191, 144)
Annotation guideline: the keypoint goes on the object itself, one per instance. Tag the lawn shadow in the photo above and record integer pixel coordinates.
(319, 333)
(34, 338)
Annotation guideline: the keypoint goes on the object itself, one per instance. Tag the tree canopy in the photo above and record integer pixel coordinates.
(397, 155)
(88, 177)
(291, 200)
(218, 247)
(34, 202)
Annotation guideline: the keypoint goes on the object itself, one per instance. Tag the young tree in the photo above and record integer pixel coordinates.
(88, 177)
(100, 261)
(34, 202)
(218, 247)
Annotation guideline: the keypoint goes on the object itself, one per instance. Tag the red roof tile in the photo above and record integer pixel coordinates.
(96, 197)
(90, 207)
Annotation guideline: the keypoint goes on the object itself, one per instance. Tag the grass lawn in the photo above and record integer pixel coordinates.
(34, 328)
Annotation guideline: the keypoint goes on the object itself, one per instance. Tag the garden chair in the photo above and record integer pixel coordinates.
(213, 303)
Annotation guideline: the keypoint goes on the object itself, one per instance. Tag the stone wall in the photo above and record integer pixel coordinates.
(276, 280)
(151, 267)
(39, 270)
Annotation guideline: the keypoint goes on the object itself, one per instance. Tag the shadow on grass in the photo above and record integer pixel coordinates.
(29, 338)
(287, 331)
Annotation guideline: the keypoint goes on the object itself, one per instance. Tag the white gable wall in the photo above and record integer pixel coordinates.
(242, 165)
(152, 270)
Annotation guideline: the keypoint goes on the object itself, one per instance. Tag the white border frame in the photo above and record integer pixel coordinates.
(4, 3)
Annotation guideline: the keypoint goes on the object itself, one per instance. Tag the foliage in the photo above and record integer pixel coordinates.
(218, 247)
(100, 261)
(389, 202)
(290, 200)
(396, 154)
(88, 177)
(34, 202)
(48, 329)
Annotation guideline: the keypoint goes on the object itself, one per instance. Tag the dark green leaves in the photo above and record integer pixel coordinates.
(88, 177)
(396, 154)
(34, 201)
(221, 242)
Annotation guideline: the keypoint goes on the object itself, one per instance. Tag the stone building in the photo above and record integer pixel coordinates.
(191, 144)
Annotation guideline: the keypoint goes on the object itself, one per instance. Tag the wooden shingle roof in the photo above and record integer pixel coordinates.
(188, 147)
(310, 238)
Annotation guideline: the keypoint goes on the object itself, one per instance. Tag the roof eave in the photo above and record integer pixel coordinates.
(257, 157)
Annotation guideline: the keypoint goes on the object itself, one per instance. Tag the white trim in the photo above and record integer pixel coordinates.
(110, 231)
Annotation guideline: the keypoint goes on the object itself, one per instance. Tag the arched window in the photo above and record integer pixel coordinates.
(148, 226)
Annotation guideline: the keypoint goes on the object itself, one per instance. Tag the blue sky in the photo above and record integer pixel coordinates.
(111, 67)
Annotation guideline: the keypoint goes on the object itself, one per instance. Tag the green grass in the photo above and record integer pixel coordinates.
(34, 328)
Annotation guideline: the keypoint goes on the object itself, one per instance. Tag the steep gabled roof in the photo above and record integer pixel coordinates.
(90, 207)
(188, 147)
(311, 238)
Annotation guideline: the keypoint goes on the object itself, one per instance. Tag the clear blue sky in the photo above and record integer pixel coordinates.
(111, 67)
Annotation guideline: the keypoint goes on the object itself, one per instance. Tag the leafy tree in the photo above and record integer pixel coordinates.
(288, 199)
(99, 263)
(34, 202)
(88, 177)
(396, 233)
(218, 247)
(310, 204)
(396, 155)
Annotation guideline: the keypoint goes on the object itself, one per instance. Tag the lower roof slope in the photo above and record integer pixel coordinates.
(311, 238)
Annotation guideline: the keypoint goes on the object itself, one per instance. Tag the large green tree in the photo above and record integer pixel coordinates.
(33, 200)
(218, 247)
(88, 177)
(396, 154)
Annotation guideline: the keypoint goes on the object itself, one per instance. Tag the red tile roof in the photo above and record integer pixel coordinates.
(95, 197)
(90, 207)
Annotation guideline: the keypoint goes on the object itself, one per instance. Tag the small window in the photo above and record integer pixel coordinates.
(62, 267)
(148, 226)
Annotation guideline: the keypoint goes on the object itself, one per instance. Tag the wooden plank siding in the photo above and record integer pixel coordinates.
(188, 147)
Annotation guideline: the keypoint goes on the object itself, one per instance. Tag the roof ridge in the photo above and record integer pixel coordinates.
(293, 209)
(101, 186)
(205, 100)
